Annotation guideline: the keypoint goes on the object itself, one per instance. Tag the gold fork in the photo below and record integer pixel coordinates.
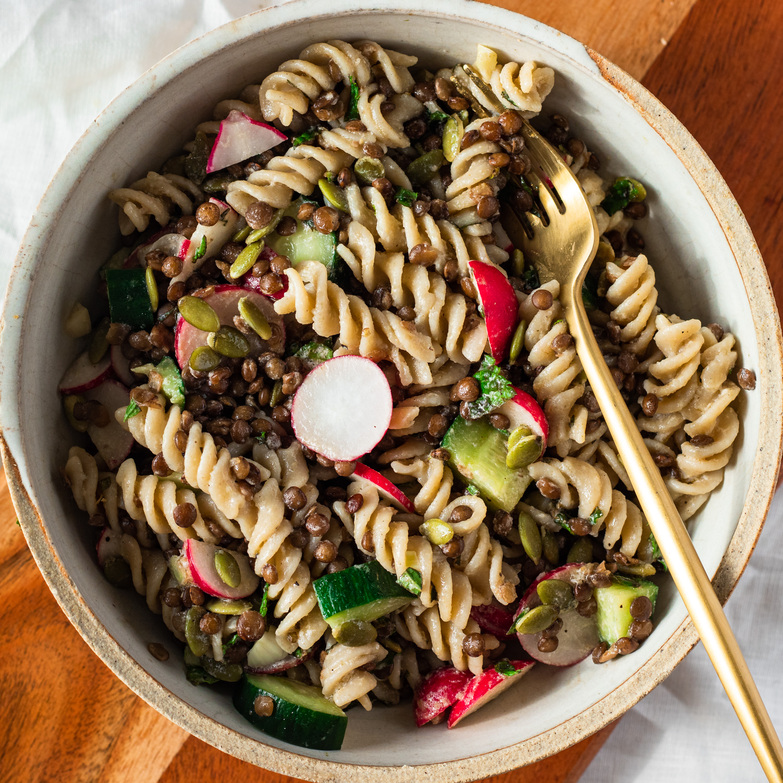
(561, 242)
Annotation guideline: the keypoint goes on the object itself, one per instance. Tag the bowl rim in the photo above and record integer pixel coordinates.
(759, 494)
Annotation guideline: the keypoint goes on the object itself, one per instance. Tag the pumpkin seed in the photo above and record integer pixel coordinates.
(203, 359)
(437, 532)
(69, 402)
(227, 568)
(524, 448)
(518, 262)
(117, 572)
(220, 670)
(333, 194)
(425, 167)
(254, 318)
(242, 234)
(367, 169)
(453, 131)
(260, 233)
(555, 592)
(224, 606)
(217, 183)
(152, 288)
(245, 260)
(197, 640)
(198, 313)
(517, 341)
(98, 342)
(230, 342)
(277, 394)
(581, 551)
(355, 633)
(604, 253)
(641, 569)
(530, 536)
(536, 620)
(549, 546)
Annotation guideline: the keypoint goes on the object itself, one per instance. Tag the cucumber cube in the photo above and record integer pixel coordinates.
(614, 606)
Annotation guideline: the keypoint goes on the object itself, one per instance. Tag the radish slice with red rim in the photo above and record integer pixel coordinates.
(83, 375)
(437, 692)
(240, 137)
(113, 442)
(499, 303)
(343, 408)
(203, 564)
(385, 488)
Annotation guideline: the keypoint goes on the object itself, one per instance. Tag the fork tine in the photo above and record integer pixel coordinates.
(550, 205)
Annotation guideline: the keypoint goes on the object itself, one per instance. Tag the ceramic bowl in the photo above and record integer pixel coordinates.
(707, 266)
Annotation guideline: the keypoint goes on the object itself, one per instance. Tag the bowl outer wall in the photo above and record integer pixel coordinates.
(29, 486)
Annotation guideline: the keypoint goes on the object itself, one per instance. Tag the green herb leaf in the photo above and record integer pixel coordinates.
(505, 668)
(353, 105)
(230, 643)
(495, 389)
(530, 278)
(411, 581)
(196, 162)
(330, 176)
(435, 117)
(197, 676)
(308, 135)
(202, 248)
(132, 409)
(517, 620)
(299, 652)
(590, 294)
(561, 518)
(596, 515)
(406, 197)
(314, 352)
(262, 610)
(261, 437)
(507, 97)
(472, 489)
(622, 192)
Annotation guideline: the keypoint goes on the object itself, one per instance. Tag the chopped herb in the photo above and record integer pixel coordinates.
(406, 197)
(595, 516)
(505, 668)
(197, 676)
(517, 621)
(202, 248)
(495, 389)
(561, 518)
(507, 97)
(330, 176)
(353, 105)
(132, 409)
(314, 352)
(196, 162)
(530, 278)
(411, 581)
(261, 437)
(622, 192)
(299, 652)
(472, 489)
(307, 136)
(262, 609)
(230, 643)
(590, 293)
(656, 553)
(18, 524)
(435, 117)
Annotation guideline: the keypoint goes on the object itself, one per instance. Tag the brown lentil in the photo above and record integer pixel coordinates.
(172, 597)
(457, 103)
(406, 313)
(294, 498)
(649, 404)
(325, 552)
(209, 624)
(437, 425)
(423, 254)
(640, 629)
(195, 595)
(251, 626)
(259, 215)
(502, 523)
(184, 514)
(580, 526)
(510, 123)
(542, 299)
(473, 645)
(599, 651)
(384, 187)
(547, 644)
(441, 454)
(499, 421)
(317, 524)
(354, 503)
(269, 574)
(372, 150)
(746, 379)
(344, 468)
(159, 465)
(453, 549)
(625, 645)
(326, 219)
(548, 488)
(208, 213)
(641, 608)
(460, 514)
(158, 651)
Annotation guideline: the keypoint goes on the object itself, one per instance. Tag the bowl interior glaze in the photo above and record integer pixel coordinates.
(706, 266)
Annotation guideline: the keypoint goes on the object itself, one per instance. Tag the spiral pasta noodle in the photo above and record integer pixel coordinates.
(342, 678)
(680, 342)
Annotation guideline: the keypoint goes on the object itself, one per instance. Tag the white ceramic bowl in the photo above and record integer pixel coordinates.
(707, 266)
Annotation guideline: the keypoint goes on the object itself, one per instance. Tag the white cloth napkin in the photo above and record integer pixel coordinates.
(63, 61)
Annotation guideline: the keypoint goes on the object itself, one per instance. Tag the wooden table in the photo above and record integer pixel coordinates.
(718, 65)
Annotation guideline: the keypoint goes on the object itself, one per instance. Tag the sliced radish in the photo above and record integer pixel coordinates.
(167, 241)
(121, 366)
(487, 686)
(266, 656)
(240, 138)
(83, 375)
(499, 303)
(385, 487)
(437, 692)
(224, 300)
(207, 241)
(198, 561)
(343, 408)
(578, 636)
(112, 441)
(492, 619)
(108, 546)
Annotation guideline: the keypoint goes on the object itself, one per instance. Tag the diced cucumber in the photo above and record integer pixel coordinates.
(307, 244)
(361, 592)
(478, 453)
(302, 715)
(614, 605)
(129, 298)
(265, 651)
(173, 386)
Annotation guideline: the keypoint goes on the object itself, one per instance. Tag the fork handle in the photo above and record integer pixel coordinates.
(677, 549)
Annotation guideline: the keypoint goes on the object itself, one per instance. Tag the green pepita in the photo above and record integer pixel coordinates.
(518, 262)
(198, 313)
(437, 532)
(69, 402)
(216, 184)
(220, 670)
(517, 341)
(524, 448)
(355, 633)
(453, 132)
(203, 359)
(549, 546)
(227, 568)
(242, 234)
(581, 551)
(245, 260)
(555, 592)
(333, 194)
(228, 341)
(225, 606)
(152, 287)
(98, 342)
(425, 167)
(367, 169)
(117, 572)
(604, 253)
(260, 233)
(254, 318)
(197, 640)
(530, 536)
(640, 569)
(277, 394)
(536, 620)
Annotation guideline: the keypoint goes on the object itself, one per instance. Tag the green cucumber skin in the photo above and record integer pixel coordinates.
(613, 616)
(349, 594)
(294, 723)
(478, 453)
(129, 299)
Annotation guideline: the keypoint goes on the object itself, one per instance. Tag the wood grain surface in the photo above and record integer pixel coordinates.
(717, 64)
